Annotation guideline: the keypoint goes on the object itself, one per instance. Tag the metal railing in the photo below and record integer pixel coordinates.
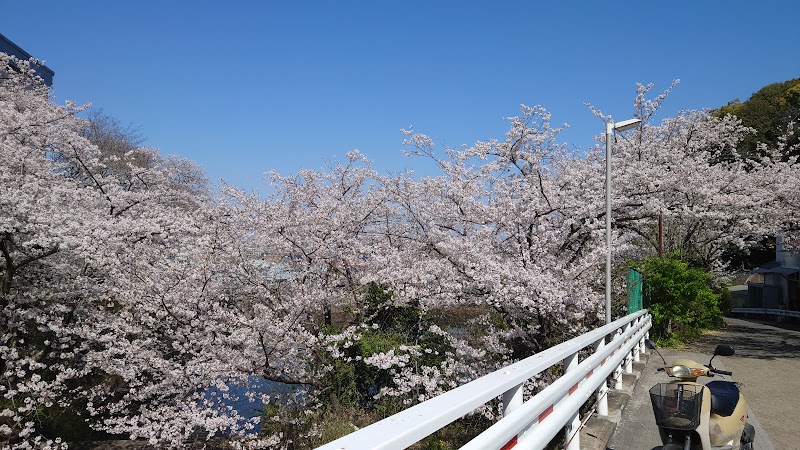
(780, 313)
(525, 424)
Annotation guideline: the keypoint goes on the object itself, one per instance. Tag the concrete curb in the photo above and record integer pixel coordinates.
(598, 430)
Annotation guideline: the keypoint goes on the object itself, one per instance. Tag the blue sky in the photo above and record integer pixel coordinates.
(246, 87)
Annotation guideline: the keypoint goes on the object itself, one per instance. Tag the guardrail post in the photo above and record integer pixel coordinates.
(618, 370)
(512, 399)
(572, 430)
(629, 362)
(629, 355)
(638, 344)
(642, 348)
(618, 378)
(602, 391)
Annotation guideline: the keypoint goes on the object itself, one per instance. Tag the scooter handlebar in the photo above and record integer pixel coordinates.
(722, 372)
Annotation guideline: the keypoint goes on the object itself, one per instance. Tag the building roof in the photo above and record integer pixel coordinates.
(783, 270)
(10, 48)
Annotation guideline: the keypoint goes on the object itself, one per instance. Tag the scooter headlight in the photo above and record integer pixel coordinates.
(684, 372)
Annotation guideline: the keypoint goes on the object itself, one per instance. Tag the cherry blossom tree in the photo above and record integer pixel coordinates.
(712, 199)
(139, 302)
(110, 305)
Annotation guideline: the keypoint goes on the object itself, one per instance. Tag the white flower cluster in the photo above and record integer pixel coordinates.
(134, 296)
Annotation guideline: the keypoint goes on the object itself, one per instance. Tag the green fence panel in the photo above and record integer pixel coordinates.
(634, 290)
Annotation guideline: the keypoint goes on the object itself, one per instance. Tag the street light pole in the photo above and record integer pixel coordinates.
(610, 128)
(609, 137)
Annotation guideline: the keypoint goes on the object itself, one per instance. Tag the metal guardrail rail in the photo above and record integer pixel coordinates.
(767, 312)
(527, 424)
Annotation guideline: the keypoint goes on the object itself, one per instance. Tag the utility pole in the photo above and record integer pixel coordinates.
(661, 235)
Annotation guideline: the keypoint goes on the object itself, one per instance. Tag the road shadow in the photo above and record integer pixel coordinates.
(789, 326)
(757, 340)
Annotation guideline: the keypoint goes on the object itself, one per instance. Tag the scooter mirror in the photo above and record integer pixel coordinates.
(652, 346)
(723, 350)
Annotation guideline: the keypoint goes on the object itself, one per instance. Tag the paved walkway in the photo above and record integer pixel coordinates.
(767, 363)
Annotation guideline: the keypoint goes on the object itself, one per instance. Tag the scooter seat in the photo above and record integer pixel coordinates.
(724, 397)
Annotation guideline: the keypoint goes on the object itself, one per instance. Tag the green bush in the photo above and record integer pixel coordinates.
(681, 300)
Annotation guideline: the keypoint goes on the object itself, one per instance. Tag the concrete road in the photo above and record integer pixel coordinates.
(767, 363)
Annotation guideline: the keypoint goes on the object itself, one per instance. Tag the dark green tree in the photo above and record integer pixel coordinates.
(768, 111)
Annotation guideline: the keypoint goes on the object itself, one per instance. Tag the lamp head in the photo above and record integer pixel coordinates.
(626, 124)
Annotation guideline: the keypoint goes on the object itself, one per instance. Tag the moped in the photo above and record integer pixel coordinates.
(694, 416)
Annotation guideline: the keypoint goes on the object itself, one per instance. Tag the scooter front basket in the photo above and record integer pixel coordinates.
(677, 406)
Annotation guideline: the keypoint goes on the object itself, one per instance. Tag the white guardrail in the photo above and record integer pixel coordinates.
(527, 424)
(781, 313)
